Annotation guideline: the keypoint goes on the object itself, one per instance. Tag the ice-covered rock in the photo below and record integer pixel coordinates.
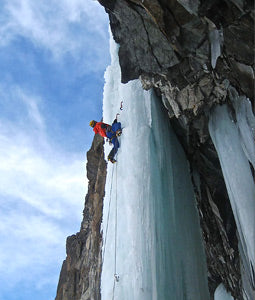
(238, 178)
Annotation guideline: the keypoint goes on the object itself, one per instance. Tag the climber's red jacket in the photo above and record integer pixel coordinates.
(100, 128)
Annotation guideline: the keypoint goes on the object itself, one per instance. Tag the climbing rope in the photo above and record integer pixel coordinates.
(116, 222)
(109, 209)
(116, 277)
(113, 290)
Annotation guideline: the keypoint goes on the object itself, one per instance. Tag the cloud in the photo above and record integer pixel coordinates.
(31, 252)
(42, 186)
(30, 166)
(42, 191)
(74, 27)
(45, 180)
(32, 107)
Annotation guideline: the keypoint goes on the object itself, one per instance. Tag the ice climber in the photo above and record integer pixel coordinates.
(111, 132)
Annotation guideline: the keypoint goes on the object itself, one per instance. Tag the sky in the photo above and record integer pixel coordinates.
(53, 54)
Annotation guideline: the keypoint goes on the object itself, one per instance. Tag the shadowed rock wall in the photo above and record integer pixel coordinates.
(81, 271)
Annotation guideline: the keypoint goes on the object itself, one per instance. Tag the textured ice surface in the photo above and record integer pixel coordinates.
(159, 253)
(246, 124)
(247, 284)
(222, 294)
(229, 139)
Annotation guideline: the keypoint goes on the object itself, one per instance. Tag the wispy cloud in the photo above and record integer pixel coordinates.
(29, 163)
(32, 108)
(45, 180)
(61, 27)
(42, 190)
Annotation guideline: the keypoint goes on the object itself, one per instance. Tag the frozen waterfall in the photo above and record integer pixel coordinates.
(151, 230)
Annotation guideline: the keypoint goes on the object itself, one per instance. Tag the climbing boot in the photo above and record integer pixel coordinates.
(119, 132)
(112, 160)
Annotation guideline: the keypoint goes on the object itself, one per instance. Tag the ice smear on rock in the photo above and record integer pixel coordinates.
(159, 252)
(222, 294)
(215, 40)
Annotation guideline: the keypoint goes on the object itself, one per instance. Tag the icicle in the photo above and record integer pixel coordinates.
(216, 40)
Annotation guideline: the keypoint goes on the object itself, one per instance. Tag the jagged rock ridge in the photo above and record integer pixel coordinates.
(81, 271)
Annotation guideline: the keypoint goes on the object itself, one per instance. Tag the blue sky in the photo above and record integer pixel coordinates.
(53, 54)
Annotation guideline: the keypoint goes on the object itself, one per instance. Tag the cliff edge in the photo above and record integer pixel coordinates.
(81, 270)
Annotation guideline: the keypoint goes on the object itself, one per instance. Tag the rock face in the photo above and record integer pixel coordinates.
(81, 271)
(193, 53)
